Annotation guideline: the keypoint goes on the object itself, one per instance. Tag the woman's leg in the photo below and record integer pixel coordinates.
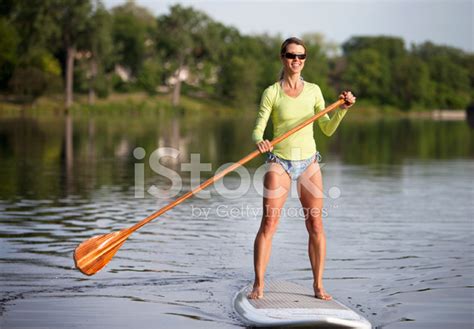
(310, 190)
(277, 184)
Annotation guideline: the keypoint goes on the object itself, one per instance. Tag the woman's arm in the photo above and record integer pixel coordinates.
(263, 115)
(327, 124)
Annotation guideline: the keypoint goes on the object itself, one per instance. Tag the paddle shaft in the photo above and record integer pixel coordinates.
(234, 166)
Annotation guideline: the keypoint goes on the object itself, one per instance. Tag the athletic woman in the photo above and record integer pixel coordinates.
(290, 101)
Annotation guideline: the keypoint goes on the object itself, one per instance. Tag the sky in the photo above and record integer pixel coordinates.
(443, 22)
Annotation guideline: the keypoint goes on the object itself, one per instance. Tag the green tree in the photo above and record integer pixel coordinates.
(239, 78)
(98, 44)
(35, 70)
(317, 63)
(218, 41)
(452, 86)
(71, 16)
(150, 76)
(35, 23)
(371, 66)
(367, 74)
(250, 64)
(133, 35)
(55, 26)
(9, 40)
(469, 65)
(391, 48)
(182, 41)
(267, 55)
(412, 85)
(36, 74)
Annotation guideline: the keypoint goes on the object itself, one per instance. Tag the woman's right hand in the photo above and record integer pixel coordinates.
(265, 146)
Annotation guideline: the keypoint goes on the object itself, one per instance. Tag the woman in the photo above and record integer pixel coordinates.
(289, 102)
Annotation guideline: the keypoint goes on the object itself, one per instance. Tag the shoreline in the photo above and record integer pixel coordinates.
(55, 104)
(440, 115)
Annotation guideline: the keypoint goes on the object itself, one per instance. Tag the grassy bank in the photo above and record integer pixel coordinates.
(115, 104)
(139, 102)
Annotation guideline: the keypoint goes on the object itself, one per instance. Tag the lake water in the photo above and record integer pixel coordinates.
(399, 222)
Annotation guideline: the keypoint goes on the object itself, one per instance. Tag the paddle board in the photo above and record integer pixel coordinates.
(289, 304)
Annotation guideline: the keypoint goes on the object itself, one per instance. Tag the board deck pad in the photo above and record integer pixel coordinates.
(287, 303)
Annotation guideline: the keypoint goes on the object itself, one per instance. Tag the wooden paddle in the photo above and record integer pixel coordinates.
(93, 254)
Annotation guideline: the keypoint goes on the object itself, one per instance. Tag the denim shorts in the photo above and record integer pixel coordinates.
(294, 168)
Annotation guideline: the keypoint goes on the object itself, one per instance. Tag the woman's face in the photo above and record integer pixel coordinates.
(295, 65)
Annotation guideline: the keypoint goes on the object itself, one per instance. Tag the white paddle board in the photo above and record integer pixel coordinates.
(289, 304)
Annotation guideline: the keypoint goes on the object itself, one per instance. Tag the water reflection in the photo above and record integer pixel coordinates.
(67, 155)
(44, 156)
(396, 141)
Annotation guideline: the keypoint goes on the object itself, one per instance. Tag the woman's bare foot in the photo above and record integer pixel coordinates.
(256, 293)
(320, 293)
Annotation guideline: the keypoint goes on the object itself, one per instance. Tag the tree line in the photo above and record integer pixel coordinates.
(80, 47)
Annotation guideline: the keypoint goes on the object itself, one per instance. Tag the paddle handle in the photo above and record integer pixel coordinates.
(234, 166)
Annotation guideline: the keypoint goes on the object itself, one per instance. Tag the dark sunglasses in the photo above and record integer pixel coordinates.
(293, 56)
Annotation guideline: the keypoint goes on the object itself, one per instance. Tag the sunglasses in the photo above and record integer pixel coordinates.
(294, 56)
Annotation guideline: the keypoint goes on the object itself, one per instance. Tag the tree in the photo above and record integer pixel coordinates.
(54, 26)
(150, 76)
(371, 66)
(9, 40)
(218, 41)
(35, 24)
(37, 73)
(98, 41)
(391, 48)
(367, 74)
(452, 86)
(412, 85)
(72, 17)
(250, 64)
(182, 42)
(469, 65)
(317, 63)
(239, 78)
(133, 29)
(36, 70)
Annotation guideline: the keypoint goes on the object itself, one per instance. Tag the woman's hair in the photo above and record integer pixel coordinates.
(284, 45)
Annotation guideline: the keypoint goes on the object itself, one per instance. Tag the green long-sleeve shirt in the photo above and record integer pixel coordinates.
(287, 112)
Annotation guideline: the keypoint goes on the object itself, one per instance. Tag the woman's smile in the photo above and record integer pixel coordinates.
(296, 65)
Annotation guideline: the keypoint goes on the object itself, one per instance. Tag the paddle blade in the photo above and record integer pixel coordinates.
(92, 255)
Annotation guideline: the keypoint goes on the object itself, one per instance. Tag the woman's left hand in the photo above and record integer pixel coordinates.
(348, 98)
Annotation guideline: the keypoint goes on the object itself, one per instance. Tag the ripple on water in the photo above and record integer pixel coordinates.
(392, 254)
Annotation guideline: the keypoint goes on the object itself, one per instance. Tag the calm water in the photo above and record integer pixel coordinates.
(399, 224)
